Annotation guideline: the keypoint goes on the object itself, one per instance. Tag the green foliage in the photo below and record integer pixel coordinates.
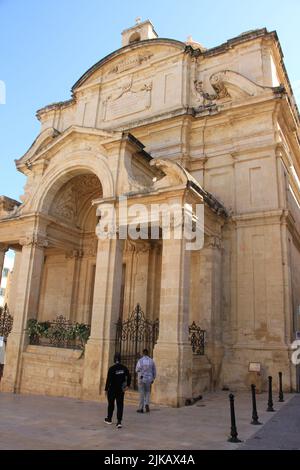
(58, 333)
(82, 332)
(37, 330)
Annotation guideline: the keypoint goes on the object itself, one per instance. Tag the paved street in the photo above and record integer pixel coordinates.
(282, 432)
(35, 422)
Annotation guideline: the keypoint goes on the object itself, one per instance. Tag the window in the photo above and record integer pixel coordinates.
(2, 292)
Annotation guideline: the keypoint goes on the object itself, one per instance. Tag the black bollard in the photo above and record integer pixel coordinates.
(233, 433)
(270, 399)
(254, 409)
(280, 387)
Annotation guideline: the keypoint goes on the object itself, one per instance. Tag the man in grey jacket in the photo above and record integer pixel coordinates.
(146, 375)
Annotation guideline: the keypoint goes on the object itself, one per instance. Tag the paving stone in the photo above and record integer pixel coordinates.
(40, 422)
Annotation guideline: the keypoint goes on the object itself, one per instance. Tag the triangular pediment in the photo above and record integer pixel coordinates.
(50, 139)
(43, 140)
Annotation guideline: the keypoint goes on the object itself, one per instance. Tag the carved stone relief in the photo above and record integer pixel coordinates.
(228, 85)
(77, 191)
(91, 248)
(129, 99)
(8, 207)
(203, 98)
(35, 239)
(130, 63)
(74, 254)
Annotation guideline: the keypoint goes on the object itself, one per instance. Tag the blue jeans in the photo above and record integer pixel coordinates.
(144, 390)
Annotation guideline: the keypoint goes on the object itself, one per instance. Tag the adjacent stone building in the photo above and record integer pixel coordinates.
(160, 121)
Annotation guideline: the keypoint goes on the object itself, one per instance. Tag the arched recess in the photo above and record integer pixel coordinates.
(135, 37)
(74, 163)
(70, 258)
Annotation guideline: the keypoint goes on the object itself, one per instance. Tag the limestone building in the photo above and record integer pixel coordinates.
(162, 121)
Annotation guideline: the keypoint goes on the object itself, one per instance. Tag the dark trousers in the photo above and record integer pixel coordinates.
(118, 396)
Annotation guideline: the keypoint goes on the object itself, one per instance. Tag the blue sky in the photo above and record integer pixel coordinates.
(46, 45)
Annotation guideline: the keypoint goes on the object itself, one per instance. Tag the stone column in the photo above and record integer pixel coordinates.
(3, 250)
(73, 259)
(99, 350)
(173, 352)
(26, 306)
(153, 283)
(211, 319)
(141, 275)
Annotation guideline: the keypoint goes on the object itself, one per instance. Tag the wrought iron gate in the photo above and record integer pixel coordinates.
(132, 336)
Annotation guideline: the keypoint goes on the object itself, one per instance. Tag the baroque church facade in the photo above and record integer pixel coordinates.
(162, 121)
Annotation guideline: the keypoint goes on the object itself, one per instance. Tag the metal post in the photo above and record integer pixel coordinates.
(254, 409)
(281, 399)
(270, 399)
(233, 432)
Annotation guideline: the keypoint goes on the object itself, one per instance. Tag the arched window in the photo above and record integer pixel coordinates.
(135, 37)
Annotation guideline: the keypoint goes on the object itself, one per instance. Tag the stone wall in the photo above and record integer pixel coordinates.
(202, 375)
(52, 371)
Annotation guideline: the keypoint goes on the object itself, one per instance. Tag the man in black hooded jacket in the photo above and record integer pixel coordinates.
(118, 380)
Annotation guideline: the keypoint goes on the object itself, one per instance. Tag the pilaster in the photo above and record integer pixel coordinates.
(26, 306)
(173, 352)
(106, 305)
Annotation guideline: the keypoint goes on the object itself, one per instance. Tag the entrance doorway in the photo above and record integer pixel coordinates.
(133, 336)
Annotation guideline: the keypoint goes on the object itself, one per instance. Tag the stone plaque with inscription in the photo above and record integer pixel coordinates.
(129, 103)
(254, 367)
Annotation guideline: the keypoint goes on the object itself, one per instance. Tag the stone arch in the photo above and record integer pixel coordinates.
(75, 163)
(135, 37)
(73, 201)
(66, 193)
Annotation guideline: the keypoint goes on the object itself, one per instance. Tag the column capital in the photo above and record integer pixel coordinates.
(213, 241)
(34, 239)
(76, 254)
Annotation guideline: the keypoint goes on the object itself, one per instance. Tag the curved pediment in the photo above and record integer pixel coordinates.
(128, 58)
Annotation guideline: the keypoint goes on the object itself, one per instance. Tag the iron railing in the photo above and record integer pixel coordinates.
(59, 333)
(197, 339)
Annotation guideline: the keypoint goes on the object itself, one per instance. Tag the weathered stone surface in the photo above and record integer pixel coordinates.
(158, 121)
